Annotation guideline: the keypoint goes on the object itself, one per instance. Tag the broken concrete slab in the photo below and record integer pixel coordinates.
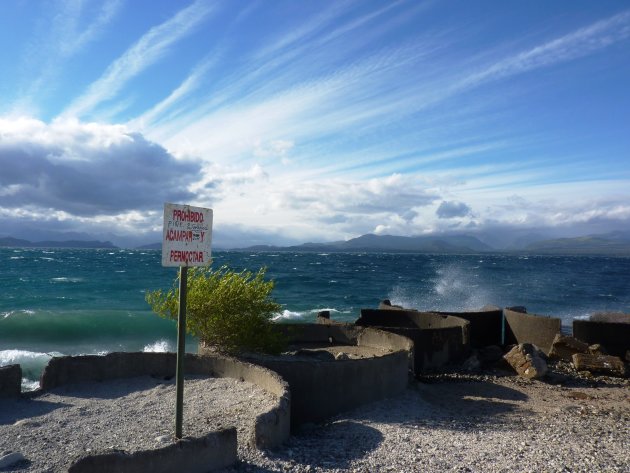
(602, 364)
(564, 347)
(526, 361)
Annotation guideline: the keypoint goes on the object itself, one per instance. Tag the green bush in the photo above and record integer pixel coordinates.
(227, 310)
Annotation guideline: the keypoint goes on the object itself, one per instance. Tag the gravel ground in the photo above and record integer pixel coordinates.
(469, 423)
(487, 422)
(52, 429)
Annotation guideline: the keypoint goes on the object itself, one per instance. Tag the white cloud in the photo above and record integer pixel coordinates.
(86, 170)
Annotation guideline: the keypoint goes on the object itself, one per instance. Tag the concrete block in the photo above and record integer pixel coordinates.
(613, 336)
(10, 381)
(531, 328)
(526, 361)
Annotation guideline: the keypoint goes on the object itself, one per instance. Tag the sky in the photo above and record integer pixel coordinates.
(310, 120)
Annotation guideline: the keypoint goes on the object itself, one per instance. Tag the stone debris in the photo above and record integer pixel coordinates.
(527, 361)
(597, 349)
(564, 347)
(605, 364)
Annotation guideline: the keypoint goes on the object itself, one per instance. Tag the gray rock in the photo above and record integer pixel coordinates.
(11, 459)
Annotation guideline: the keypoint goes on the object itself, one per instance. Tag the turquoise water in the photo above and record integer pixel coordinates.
(70, 301)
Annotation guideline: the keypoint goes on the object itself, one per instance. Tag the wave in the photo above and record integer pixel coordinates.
(86, 330)
(453, 289)
(32, 364)
(307, 315)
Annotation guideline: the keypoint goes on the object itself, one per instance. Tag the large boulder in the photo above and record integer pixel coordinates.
(526, 361)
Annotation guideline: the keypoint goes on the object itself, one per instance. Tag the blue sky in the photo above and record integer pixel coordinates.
(315, 120)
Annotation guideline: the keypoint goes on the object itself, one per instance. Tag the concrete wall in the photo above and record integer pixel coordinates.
(438, 339)
(10, 381)
(270, 429)
(486, 326)
(614, 337)
(211, 452)
(530, 328)
(321, 389)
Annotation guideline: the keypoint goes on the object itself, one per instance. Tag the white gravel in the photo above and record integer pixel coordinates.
(467, 424)
(449, 422)
(52, 429)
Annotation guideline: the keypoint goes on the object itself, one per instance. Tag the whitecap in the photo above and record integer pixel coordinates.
(161, 346)
(288, 315)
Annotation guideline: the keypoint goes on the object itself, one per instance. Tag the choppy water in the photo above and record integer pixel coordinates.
(92, 301)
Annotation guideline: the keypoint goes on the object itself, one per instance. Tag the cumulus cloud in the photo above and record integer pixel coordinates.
(87, 169)
(453, 209)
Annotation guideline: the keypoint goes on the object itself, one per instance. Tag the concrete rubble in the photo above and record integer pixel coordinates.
(526, 361)
(604, 364)
(564, 347)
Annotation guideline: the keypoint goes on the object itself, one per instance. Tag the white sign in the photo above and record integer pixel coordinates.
(187, 235)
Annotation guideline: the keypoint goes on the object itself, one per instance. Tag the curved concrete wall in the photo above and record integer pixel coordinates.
(613, 336)
(321, 389)
(270, 429)
(530, 328)
(438, 339)
(211, 452)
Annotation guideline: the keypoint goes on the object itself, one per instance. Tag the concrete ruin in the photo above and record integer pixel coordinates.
(322, 386)
(271, 429)
(613, 336)
(521, 327)
(213, 451)
(10, 381)
(438, 339)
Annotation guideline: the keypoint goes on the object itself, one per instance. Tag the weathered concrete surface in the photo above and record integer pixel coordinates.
(564, 347)
(613, 336)
(604, 364)
(270, 430)
(10, 381)
(526, 361)
(198, 455)
(322, 389)
(614, 317)
(530, 328)
(438, 339)
(486, 326)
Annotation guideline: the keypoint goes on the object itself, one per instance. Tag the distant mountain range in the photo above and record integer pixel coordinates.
(616, 243)
(19, 243)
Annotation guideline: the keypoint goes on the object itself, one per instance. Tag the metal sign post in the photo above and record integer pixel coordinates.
(181, 352)
(187, 238)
